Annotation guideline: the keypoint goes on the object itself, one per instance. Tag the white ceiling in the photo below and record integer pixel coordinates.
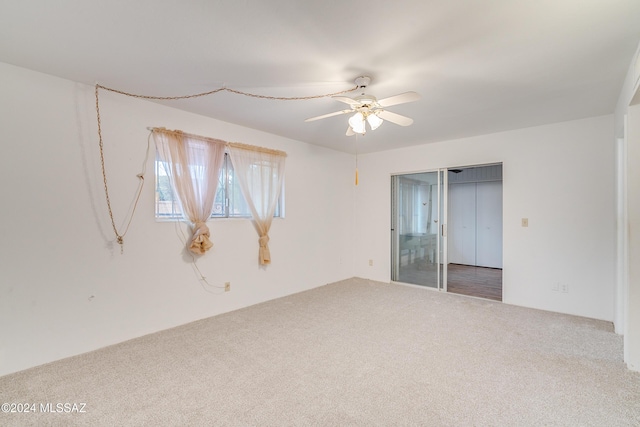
(481, 66)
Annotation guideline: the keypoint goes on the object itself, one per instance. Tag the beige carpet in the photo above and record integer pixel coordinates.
(355, 353)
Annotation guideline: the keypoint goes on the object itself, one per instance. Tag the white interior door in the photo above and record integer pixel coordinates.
(462, 224)
(489, 224)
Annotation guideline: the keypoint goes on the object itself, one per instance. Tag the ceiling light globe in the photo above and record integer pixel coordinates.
(374, 121)
(357, 123)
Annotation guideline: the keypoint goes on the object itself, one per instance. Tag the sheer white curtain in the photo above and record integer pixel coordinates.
(260, 173)
(193, 165)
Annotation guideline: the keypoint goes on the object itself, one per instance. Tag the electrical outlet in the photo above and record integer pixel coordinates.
(370, 263)
(227, 286)
(564, 288)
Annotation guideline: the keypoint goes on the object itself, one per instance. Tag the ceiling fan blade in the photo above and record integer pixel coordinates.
(346, 100)
(324, 116)
(394, 118)
(399, 99)
(350, 131)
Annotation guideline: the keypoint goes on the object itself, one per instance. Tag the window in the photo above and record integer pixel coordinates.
(229, 201)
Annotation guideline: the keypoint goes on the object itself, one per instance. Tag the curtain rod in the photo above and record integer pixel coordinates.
(179, 132)
(238, 145)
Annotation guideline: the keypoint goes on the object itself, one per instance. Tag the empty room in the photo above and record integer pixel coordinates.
(337, 213)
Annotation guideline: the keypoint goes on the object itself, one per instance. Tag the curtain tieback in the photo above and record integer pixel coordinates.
(200, 242)
(264, 253)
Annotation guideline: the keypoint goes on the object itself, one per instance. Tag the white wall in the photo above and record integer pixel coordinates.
(627, 319)
(559, 176)
(632, 333)
(64, 286)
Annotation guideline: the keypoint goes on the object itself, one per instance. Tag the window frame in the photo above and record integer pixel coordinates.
(225, 172)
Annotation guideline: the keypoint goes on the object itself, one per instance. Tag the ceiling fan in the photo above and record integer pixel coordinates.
(369, 109)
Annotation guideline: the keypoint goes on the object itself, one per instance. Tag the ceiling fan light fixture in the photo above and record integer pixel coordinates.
(357, 123)
(374, 121)
(367, 108)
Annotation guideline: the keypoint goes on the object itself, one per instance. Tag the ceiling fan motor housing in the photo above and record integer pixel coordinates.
(366, 100)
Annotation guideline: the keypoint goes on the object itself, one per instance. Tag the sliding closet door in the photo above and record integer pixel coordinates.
(416, 210)
(462, 224)
(489, 224)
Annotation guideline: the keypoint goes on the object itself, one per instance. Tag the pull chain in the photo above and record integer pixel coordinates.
(356, 159)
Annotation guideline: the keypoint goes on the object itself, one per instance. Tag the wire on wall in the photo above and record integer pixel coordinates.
(120, 235)
(226, 89)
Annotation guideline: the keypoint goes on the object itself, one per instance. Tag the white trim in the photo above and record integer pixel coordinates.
(621, 238)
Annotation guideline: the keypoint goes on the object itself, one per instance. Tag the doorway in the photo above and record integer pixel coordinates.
(475, 231)
(447, 230)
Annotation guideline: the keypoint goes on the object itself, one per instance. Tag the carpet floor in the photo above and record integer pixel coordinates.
(352, 353)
